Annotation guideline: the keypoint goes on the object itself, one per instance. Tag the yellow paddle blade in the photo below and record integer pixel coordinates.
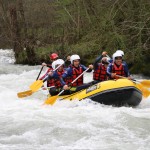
(146, 83)
(24, 94)
(145, 91)
(36, 85)
(51, 100)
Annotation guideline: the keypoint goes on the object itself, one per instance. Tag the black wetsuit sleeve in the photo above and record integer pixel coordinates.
(89, 70)
(49, 65)
(97, 60)
(84, 68)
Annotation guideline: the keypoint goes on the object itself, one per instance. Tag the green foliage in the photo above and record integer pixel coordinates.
(22, 58)
(85, 27)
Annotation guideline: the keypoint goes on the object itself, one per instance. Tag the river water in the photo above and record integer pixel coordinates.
(27, 124)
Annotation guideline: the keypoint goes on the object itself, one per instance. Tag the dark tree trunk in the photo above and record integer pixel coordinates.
(29, 43)
(22, 45)
(15, 32)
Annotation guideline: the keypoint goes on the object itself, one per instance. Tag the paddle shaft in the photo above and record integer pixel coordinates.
(108, 56)
(127, 78)
(74, 80)
(53, 71)
(141, 85)
(39, 73)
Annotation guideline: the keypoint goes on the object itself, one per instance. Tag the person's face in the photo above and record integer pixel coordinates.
(60, 68)
(106, 65)
(76, 62)
(118, 60)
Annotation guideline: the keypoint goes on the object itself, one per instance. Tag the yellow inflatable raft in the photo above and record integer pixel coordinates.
(118, 93)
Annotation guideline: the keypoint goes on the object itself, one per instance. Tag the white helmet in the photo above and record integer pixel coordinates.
(113, 56)
(53, 64)
(74, 57)
(57, 63)
(120, 51)
(117, 54)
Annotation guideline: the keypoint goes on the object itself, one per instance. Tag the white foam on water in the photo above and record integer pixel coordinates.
(7, 56)
(28, 124)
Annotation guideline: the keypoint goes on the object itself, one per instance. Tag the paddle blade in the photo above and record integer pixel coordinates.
(145, 91)
(146, 83)
(36, 85)
(51, 100)
(24, 94)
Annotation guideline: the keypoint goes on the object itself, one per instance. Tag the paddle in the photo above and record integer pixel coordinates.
(34, 86)
(52, 100)
(141, 84)
(145, 91)
(108, 56)
(28, 92)
(145, 83)
(39, 73)
(37, 84)
(24, 94)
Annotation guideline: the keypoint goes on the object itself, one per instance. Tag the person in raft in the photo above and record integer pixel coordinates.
(55, 76)
(100, 70)
(53, 57)
(118, 51)
(118, 67)
(72, 72)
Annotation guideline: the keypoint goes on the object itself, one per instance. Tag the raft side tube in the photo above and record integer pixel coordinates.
(119, 97)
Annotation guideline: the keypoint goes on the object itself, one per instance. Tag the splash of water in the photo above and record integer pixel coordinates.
(7, 56)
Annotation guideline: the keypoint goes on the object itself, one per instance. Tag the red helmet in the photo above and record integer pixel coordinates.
(53, 56)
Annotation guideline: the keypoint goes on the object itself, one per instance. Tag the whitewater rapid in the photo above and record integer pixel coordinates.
(28, 124)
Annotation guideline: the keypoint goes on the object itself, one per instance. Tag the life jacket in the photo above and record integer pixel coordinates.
(119, 70)
(100, 73)
(50, 82)
(75, 73)
(56, 82)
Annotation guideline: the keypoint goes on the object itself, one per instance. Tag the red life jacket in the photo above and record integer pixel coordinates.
(51, 81)
(100, 74)
(119, 70)
(56, 82)
(75, 73)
